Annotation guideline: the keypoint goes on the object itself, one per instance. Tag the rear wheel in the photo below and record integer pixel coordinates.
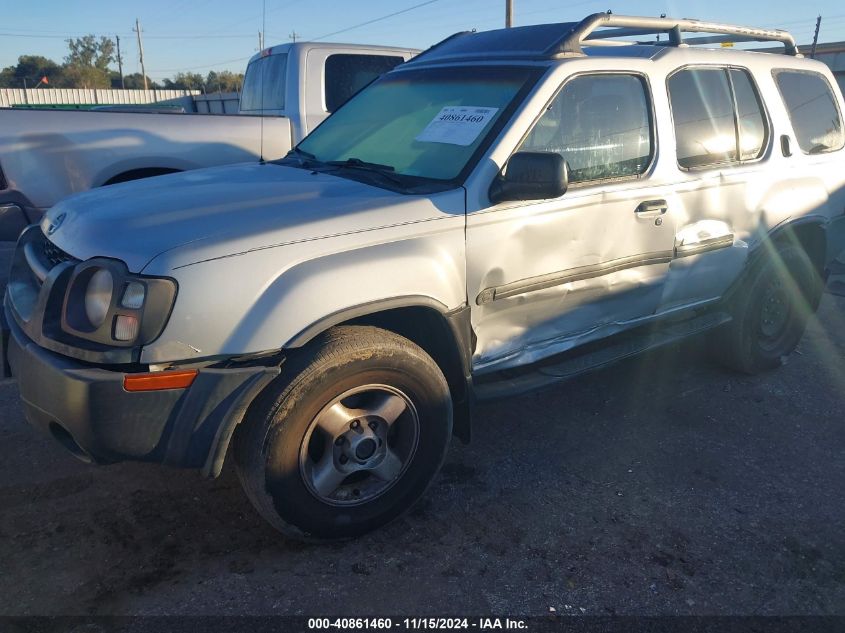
(771, 311)
(349, 439)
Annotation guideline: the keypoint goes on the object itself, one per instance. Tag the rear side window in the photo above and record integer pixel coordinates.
(812, 110)
(601, 125)
(264, 84)
(718, 117)
(347, 74)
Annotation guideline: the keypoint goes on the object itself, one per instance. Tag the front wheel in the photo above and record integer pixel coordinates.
(349, 439)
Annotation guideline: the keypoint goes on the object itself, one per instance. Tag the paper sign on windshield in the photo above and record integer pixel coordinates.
(457, 125)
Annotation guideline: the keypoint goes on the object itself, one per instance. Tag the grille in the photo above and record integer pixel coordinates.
(54, 256)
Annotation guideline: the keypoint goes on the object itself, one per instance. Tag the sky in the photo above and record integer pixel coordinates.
(203, 35)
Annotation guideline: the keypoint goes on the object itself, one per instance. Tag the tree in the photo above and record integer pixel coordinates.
(135, 81)
(185, 81)
(87, 62)
(224, 81)
(7, 77)
(85, 77)
(88, 51)
(30, 68)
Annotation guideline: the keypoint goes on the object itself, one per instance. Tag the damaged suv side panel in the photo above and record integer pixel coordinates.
(506, 211)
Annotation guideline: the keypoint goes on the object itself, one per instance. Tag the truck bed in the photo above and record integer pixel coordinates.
(49, 154)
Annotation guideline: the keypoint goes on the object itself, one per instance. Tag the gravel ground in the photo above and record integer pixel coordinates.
(661, 486)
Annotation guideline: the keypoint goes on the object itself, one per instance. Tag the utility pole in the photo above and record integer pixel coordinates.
(263, 32)
(120, 63)
(260, 41)
(293, 36)
(508, 14)
(816, 37)
(141, 51)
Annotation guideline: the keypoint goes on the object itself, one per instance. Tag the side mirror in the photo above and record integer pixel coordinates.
(531, 176)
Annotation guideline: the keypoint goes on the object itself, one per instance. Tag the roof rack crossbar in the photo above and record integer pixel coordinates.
(720, 39)
(626, 25)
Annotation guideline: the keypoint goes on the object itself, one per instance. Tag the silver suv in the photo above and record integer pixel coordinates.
(506, 210)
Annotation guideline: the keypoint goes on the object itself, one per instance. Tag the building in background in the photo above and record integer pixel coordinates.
(832, 54)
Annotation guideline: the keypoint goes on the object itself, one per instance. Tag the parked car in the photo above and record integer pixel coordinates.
(47, 154)
(507, 210)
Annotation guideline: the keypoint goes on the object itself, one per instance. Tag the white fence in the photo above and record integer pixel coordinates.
(63, 96)
(217, 103)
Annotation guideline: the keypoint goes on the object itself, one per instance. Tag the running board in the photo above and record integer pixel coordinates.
(508, 386)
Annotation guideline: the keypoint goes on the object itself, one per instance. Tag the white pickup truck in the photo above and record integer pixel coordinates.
(288, 90)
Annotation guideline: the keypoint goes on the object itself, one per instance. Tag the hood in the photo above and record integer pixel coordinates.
(221, 211)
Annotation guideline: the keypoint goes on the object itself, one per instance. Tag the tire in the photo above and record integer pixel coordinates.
(360, 406)
(771, 310)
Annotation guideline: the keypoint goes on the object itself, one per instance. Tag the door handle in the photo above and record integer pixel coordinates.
(652, 208)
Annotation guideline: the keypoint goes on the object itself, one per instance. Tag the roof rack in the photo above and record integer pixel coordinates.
(596, 29)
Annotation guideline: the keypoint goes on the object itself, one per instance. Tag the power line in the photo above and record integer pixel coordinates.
(177, 9)
(468, 23)
(48, 34)
(212, 65)
(185, 36)
(42, 37)
(374, 20)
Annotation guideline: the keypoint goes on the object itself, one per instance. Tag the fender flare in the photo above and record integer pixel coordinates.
(781, 231)
(758, 248)
(462, 342)
(354, 312)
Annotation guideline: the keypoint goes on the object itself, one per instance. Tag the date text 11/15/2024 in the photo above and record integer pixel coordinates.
(415, 624)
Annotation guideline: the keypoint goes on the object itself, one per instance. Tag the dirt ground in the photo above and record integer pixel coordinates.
(661, 486)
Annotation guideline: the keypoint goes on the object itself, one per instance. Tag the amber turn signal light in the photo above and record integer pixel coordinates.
(160, 380)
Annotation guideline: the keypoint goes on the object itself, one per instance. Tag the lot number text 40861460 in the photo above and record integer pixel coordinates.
(417, 624)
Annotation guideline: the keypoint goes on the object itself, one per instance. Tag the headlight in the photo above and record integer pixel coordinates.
(106, 304)
(98, 296)
(134, 295)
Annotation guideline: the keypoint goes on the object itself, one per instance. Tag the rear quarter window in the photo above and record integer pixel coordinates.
(347, 74)
(264, 84)
(813, 110)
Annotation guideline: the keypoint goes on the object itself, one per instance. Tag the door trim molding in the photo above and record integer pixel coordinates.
(549, 280)
(709, 244)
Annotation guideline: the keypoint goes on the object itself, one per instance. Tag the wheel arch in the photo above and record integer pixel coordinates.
(812, 237)
(809, 233)
(445, 335)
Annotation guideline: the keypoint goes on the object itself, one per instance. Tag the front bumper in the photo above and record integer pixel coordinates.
(88, 411)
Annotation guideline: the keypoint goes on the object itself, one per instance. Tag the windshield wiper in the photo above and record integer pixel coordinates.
(387, 171)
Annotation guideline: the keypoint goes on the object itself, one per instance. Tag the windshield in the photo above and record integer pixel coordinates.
(426, 123)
